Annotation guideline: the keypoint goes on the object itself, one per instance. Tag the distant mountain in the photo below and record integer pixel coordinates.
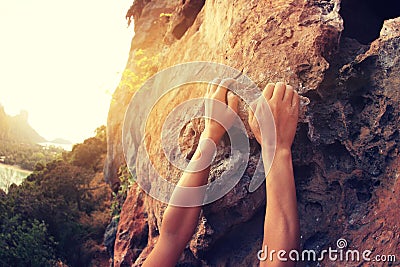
(17, 128)
(61, 141)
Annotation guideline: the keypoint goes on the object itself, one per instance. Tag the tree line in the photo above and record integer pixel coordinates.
(59, 213)
(26, 155)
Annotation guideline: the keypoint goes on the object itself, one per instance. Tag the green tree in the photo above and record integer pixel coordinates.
(89, 153)
(64, 200)
(25, 243)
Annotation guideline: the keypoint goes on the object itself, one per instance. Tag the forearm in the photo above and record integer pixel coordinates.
(181, 216)
(281, 227)
(179, 223)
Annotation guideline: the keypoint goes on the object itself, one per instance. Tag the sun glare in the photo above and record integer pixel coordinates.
(60, 60)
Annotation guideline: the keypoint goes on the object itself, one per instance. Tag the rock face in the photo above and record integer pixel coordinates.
(345, 152)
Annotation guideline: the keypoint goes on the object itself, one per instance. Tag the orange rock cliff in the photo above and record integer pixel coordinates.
(346, 149)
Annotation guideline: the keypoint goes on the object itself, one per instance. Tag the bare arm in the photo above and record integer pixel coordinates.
(281, 224)
(179, 223)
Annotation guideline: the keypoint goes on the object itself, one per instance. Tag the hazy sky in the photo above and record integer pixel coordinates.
(61, 60)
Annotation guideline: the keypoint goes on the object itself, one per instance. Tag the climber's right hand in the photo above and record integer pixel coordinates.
(283, 103)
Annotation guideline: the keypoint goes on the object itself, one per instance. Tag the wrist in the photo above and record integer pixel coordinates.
(283, 151)
(280, 178)
(203, 156)
(276, 149)
(212, 136)
(275, 156)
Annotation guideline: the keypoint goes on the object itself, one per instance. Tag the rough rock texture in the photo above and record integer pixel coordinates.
(346, 148)
(132, 229)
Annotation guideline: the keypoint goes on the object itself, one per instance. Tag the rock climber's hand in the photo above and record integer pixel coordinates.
(221, 106)
(283, 102)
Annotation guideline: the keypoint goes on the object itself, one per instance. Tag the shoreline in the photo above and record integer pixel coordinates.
(16, 168)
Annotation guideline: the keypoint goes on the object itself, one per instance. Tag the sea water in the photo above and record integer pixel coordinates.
(11, 175)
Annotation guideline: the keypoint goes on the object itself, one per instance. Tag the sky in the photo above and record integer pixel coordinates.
(61, 61)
